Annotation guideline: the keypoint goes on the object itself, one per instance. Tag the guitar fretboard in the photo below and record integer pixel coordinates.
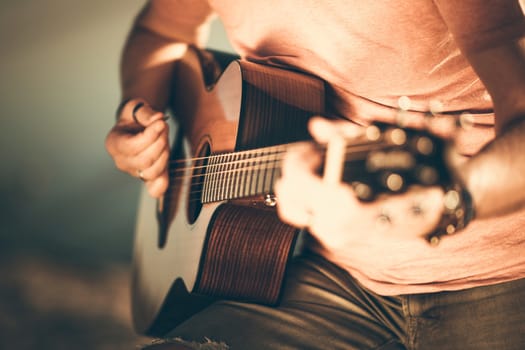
(241, 174)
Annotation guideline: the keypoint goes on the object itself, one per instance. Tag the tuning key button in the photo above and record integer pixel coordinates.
(424, 145)
(397, 136)
(394, 182)
(363, 191)
(427, 175)
(373, 133)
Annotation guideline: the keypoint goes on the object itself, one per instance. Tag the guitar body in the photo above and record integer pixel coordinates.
(189, 252)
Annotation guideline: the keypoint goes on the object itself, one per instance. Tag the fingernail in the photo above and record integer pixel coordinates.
(161, 127)
(158, 127)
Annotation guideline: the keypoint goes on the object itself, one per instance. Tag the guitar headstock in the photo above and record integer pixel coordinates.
(389, 159)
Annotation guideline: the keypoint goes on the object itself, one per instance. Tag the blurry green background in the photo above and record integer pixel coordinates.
(66, 215)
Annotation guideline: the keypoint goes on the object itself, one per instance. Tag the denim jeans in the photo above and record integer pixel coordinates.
(323, 307)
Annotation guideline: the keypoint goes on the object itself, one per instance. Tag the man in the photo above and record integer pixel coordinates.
(370, 279)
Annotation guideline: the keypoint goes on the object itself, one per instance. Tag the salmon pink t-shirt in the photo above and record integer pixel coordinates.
(372, 53)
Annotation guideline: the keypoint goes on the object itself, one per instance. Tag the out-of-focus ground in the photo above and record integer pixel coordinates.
(45, 304)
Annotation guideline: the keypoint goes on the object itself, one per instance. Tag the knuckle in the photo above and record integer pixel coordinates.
(156, 187)
(156, 171)
(163, 183)
(151, 190)
(132, 145)
(144, 163)
(121, 164)
(164, 156)
(164, 141)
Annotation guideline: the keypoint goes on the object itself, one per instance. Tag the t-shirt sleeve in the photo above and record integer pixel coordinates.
(184, 20)
(481, 24)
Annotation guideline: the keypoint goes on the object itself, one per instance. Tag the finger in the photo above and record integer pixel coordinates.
(298, 184)
(332, 219)
(134, 144)
(139, 112)
(157, 168)
(149, 156)
(157, 187)
(299, 159)
(444, 126)
(420, 209)
(146, 115)
(323, 130)
(292, 202)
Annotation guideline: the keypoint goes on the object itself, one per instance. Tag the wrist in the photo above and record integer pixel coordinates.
(458, 212)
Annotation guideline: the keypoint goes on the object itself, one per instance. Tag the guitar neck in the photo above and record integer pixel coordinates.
(389, 162)
(252, 173)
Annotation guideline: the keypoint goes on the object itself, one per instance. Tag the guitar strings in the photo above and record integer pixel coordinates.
(241, 180)
(218, 183)
(270, 164)
(277, 156)
(276, 149)
(221, 185)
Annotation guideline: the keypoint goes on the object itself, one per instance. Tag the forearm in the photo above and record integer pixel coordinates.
(495, 176)
(147, 65)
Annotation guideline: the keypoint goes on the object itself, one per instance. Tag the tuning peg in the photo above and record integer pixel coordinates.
(372, 133)
(392, 181)
(427, 175)
(363, 191)
(396, 136)
(424, 145)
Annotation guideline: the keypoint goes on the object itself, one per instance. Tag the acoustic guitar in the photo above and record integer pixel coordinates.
(215, 233)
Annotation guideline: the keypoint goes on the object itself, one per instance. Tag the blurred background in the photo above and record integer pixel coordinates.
(66, 215)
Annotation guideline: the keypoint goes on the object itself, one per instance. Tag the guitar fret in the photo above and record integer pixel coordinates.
(229, 175)
(269, 172)
(276, 169)
(262, 174)
(238, 176)
(220, 178)
(254, 176)
(226, 175)
(216, 179)
(207, 181)
(221, 185)
(249, 175)
(244, 172)
(263, 167)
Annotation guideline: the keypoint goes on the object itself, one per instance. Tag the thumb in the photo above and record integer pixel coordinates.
(139, 112)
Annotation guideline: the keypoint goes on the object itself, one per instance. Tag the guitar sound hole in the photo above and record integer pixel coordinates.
(197, 183)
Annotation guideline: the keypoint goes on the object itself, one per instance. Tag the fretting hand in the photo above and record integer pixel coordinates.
(331, 211)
